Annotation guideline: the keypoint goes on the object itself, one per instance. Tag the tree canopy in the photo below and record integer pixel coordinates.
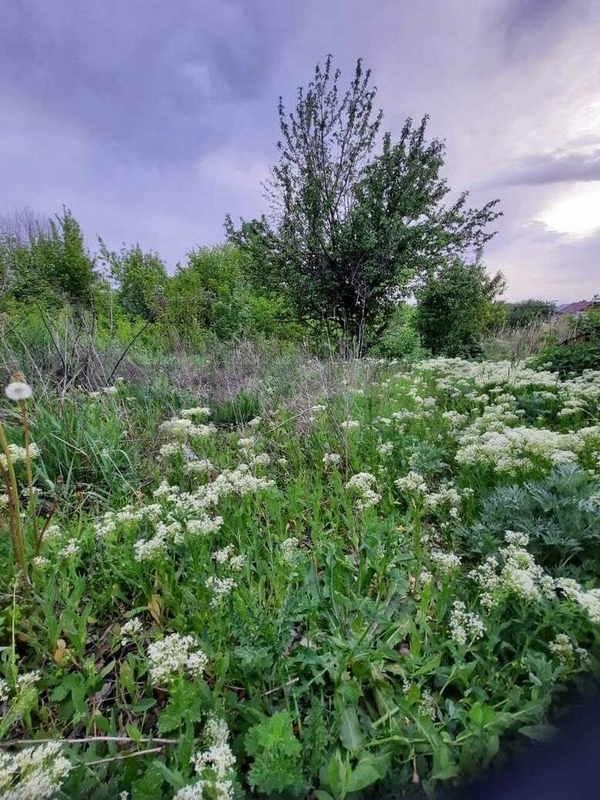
(349, 232)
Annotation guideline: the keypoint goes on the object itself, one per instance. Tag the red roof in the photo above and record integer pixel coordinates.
(576, 308)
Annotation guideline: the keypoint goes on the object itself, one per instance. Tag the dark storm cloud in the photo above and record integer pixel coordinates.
(526, 25)
(157, 79)
(552, 168)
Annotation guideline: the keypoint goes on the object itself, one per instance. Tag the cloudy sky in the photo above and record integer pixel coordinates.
(151, 119)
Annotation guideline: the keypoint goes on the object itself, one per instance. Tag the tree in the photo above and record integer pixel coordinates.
(45, 260)
(521, 315)
(141, 279)
(455, 306)
(347, 234)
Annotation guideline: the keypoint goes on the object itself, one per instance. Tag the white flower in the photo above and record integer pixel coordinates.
(427, 706)
(350, 424)
(290, 552)
(33, 773)
(223, 556)
(195, 412)
(412, 482)
(362, 484)
(562, 647)
(18, 390)
(28, 679)
(465, 626)
(70, 549)
(174, 654)
(331, 459)
(445, 561)
(130, 629)
(220, 587)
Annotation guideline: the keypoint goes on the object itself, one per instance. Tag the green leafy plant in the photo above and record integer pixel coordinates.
(276, 754)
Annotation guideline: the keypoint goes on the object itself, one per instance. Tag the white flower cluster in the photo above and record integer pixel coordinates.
(428, 706)
(445, 562)
(511, 449)
(220, 587)
(189, 511)
(453, 373)
(588, 600)
(465, 627)
(166, 490)
(126, 515)
(290, 551)
(130, 629)
(214, 764)
(514, 572)
(349, 424)
(226, 556)
(70, 549)
(385, 448)
(148, 549)
(203, 526)
(183, 428)
(173, 655)
(413, 483)
(260, 460)
(18, 454)
(362, 484)
(190, 413)
(446, 495)
(562, 647)
(200, 466)
(331, 459)
(33, 773)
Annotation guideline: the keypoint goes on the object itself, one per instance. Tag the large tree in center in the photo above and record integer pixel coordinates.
(349, 232)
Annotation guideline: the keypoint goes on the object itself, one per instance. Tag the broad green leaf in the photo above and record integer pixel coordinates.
(540, 733)
(351, 734)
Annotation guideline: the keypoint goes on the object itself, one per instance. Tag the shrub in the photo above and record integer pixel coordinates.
(560, 514)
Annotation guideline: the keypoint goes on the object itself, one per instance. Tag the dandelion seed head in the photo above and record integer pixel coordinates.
(18, 390)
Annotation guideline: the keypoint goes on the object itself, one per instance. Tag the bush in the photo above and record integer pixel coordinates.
(401, 339)
(455, 306)
(579, 351)
(560, 514)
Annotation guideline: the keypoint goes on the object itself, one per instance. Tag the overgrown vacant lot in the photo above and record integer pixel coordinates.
(381, 579)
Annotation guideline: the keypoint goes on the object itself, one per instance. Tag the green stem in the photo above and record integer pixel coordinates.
(16, 529)
(29, 472)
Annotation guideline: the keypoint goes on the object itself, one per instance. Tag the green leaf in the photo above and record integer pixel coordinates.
(149, 786)
(429, 666)
(539, 733)
(351, 735)
(143, 705)
(444, 766)
(364, 774)
(134, 732)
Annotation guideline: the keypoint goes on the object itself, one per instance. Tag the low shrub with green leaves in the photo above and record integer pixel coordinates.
(576, 352)
(386, 580)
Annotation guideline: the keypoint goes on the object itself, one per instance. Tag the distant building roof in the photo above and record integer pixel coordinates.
(575, 308)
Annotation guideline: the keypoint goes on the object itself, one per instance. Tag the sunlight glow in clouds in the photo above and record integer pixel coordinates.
(576, 213)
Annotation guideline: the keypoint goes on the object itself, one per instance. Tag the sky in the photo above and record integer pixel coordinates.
(151, 120)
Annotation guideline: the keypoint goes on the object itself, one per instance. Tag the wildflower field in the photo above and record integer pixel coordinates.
(388, 582)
